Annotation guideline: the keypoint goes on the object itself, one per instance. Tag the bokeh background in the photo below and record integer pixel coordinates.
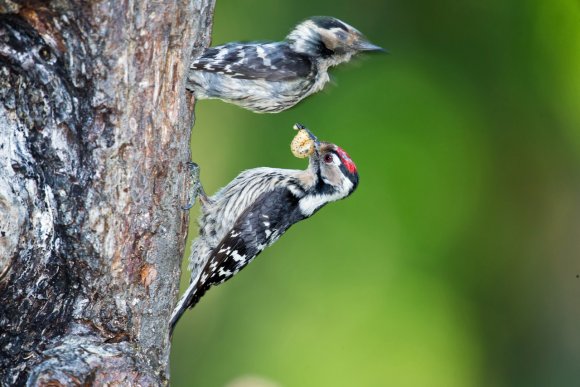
(457, 260)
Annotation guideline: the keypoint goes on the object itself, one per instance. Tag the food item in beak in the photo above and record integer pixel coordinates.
(302, 144)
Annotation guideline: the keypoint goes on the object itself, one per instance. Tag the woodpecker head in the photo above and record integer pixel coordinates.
(336, 170)
(329, 39)
(333, 173)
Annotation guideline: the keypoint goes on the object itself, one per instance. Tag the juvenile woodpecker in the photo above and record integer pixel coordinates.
(269, 77)
(255, 209)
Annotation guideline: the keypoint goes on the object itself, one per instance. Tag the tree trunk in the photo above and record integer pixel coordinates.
(94, 140)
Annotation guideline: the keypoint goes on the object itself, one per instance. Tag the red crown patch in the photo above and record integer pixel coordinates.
(346, 160)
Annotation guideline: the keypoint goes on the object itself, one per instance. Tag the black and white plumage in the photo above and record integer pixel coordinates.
(255, 209)
(272, 77)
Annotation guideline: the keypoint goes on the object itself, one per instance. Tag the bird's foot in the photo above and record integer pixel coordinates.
(196, 189)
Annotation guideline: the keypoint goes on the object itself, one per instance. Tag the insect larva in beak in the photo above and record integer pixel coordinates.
(302, 144)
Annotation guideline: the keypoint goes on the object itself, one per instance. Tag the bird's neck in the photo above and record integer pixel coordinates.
(334, 60)
(317, 197)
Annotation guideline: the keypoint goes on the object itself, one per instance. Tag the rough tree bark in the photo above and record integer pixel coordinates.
(94, 140)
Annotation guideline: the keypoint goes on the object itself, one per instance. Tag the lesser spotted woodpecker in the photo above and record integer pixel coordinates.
(274, 76)
(255, 209)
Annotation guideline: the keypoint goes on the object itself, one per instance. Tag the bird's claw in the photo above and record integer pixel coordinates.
(195, 190)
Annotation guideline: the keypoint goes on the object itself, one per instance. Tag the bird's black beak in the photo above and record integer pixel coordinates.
(365, 45)
(315, 139)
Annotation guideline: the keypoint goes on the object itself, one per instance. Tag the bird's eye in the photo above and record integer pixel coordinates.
(341, 35)
(328, 159)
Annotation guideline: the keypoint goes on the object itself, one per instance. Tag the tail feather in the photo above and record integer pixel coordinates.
(188, 300)
(194, 292)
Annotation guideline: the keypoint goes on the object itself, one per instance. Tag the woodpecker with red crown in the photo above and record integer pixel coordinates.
(255, 209)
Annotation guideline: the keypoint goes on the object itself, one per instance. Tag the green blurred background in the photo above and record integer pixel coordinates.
(457, 260)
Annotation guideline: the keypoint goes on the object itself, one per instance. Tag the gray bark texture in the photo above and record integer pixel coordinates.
(94, 139)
